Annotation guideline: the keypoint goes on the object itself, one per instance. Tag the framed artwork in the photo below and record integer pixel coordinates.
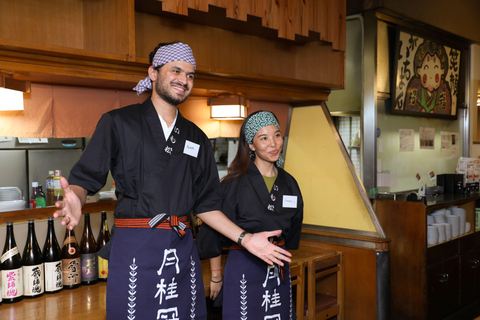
(426, 77)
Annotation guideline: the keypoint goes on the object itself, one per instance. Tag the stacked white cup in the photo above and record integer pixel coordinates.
(442, 235)
(462, 214)
(432, 235)
(454, 220)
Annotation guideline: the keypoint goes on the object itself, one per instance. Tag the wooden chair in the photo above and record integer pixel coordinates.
(325, 287)
(297, 274)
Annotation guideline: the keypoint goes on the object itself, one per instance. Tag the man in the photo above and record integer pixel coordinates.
(164, 169)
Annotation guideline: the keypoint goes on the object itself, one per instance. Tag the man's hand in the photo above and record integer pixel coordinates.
(70, 208)
(258, 244)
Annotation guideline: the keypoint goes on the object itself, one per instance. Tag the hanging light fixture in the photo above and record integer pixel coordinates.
(11, 93)
(228, 108)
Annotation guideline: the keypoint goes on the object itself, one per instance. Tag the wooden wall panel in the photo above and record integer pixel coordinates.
(106, 25)
(201, 5)
(99, 26)
(326, 17)
(48, 22)
(228, 53)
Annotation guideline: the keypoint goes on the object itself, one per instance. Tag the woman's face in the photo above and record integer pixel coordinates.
(430, 72)
(267, 144)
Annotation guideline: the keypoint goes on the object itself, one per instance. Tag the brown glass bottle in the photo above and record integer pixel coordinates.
(88, 254)
(102, 239)
(11, 269)
(70, 261)
(52, 261)
(33, 276)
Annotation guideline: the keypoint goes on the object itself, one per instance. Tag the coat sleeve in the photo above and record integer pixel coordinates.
(209, 242)
(91, 170)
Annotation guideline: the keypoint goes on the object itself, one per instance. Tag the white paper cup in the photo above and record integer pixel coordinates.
(432, 235)
(440, 218)
(448, 231)
(463, 218)
(468, 226)
(455, 222)
(442, 236)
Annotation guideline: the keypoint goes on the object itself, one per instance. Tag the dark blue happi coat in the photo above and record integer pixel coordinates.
(153, 174)
(252, 290)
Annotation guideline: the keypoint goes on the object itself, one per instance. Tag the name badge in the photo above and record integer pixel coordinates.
(191, 148)
(289, 201)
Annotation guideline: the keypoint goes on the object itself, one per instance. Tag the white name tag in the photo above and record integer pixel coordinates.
(191, 148)
(289, 201)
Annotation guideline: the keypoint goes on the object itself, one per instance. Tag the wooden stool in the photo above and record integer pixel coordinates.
(324, 287)
(297, 274)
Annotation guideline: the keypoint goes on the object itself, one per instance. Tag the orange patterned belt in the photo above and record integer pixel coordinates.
(178, 224)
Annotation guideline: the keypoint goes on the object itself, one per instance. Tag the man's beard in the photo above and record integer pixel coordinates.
(167, 96)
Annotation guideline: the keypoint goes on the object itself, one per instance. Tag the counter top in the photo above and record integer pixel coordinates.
(433, 201)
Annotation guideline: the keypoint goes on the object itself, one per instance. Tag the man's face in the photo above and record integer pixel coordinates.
(174, 82)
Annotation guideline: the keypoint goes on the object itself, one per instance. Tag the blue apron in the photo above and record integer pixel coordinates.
(253, 290)
(154, 274)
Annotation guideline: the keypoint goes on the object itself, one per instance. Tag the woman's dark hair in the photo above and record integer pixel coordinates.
(240, 163)
(152, 54)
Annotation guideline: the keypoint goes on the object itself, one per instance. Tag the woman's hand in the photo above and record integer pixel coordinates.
(215, 286)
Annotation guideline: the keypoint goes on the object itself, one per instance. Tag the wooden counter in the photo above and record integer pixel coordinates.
(88, 302)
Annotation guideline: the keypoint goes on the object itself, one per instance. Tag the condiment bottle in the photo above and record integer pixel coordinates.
(33, 196)
(49, 187)
(57, 187)
(40, 201)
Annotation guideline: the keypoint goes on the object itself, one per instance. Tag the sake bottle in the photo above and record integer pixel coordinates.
(70, 261)
(102, 239)
(88, 254)
(11, 269)
(52, 260)
(33, 277)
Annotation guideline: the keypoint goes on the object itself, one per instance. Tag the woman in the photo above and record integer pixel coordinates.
(257, 196)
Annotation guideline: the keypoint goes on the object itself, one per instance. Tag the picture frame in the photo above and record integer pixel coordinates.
(426, 78)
